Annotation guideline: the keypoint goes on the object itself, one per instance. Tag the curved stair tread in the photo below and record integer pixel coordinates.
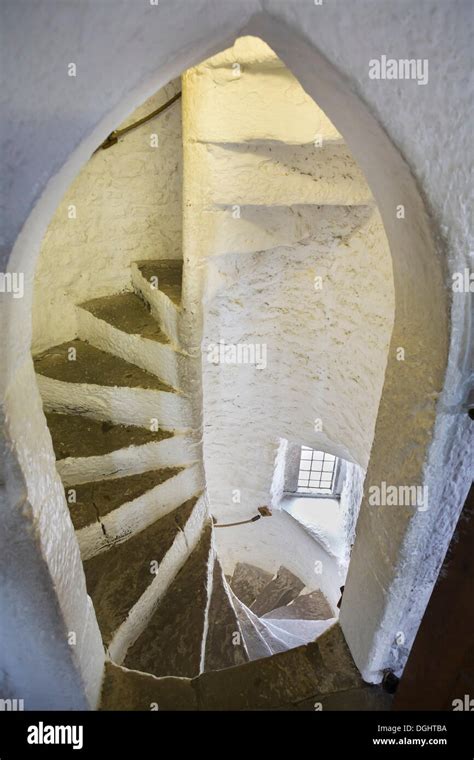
(312, 671)
(126, 312)
(287, 175)
(303, 631)
(222, 650)
(118, 577)
(75, 435)
(288, 639)
(169, 273)
(281, 590)
(94, 367)
(171, 643)
(322, 671)
(125, 689)
(272, 639)
(256, 646)
(248, 581)
(99, 497)
(312, 606)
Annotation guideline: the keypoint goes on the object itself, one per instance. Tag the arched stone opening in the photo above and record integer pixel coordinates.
(420, 327)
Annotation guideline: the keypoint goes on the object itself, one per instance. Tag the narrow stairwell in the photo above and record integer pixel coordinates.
(136, 498)
(124, 411)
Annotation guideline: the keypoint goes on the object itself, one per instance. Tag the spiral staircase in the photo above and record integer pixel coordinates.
(124, 420)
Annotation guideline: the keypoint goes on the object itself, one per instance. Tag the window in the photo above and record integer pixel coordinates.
(318, 472)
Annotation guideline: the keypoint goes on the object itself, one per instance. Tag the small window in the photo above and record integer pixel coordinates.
(318, 472)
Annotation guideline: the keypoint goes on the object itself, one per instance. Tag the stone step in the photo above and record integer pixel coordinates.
(255, 644)
(288, 639)
(311, 672)
(321, 673)
(87, 449)
(98, 498)
(119, 577)
(296, 632)
(111, 510)
(165, 275)
(275, 174)
(273, 640)
(93, 366)
(264, 228)
(248, 581)
(78, 378)
(159, 284)
(224, 643)
(172, 642)
(126, 312)
(124, 689)
(312, 606)
(75, 436)
(123, 325)
(279, 591)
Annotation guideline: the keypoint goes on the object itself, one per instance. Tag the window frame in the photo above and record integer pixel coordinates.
(293, 478)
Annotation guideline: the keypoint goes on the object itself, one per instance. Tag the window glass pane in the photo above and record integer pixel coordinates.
(316, 471)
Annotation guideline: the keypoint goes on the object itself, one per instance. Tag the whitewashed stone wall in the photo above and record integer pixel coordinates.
(294, 261)
(127, 206)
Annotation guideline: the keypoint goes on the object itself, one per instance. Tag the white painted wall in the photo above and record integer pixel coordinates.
(127, 202)
(326, 343)
(393, 127)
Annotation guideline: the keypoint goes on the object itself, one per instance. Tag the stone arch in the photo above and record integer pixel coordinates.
(378, 599)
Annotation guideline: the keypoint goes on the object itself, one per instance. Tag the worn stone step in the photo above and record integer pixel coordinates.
(321, 672)
(274, 641)
(75, 435)
(96, 499)
(248, 581)
(159, 284)
(296, 632)
(255, 644)
(94, 367)
(224, 643)
(312, 606)
(172, 642)
(124, 689)
(87, 449)
(124, 326)
(126, 312)
(125, 506)
(165, 275)
(275, 174)
(279, 591)
(117, 578)
(313, 671)
(78, 378)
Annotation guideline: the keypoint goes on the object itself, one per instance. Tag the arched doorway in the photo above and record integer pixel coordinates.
(370, 619)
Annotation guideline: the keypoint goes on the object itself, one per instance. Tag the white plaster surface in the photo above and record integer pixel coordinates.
(326, 344)
(325, 349)
(179, 450)
(120, 405)
(271, 173)
(322, 518)
(128, 207)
